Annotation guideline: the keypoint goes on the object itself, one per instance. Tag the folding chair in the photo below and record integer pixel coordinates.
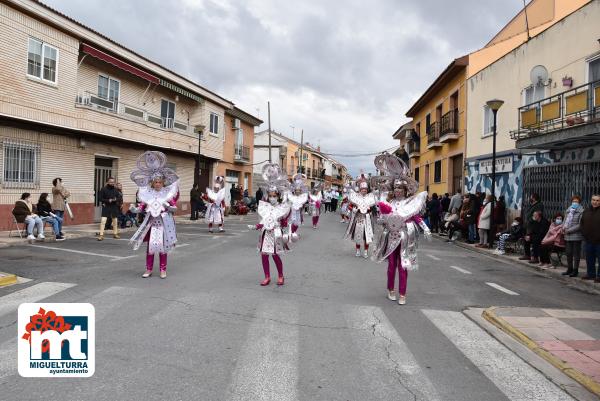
(15, 225)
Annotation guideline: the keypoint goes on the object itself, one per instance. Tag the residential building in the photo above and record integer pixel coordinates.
(548, 137)
(77, 105)
(236, 164)
(435, 139)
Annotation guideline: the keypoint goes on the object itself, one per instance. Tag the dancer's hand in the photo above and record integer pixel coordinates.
(251, 227)
(428, 235)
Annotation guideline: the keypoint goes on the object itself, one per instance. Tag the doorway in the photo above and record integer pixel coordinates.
(426, 180)
(103, 168)
(457, 172)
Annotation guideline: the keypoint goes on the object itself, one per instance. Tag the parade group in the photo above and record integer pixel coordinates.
(384, 210)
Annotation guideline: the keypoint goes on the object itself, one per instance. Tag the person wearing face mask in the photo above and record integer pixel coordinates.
(111, 200)
(360, 228)
(400, 219)
(272, 240)
(534, 206)
(535, 233)
(216, 204)
(314, 201)
(590, 222)
(515, 232)
(553, 241)
(297, 198)
(571, 229)
(158, 194)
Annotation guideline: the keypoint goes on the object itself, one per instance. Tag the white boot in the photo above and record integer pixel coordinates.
(358, 253)
(391, 295)
(30, 238)
(402, 300)
(365, 254)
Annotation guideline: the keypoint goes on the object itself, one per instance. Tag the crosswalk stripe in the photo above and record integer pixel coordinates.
(433, 257)
(500, 288)
(515, 378)
(460, 269)
(390, 366)
(10, 303)
(268, 365)
(55, 248)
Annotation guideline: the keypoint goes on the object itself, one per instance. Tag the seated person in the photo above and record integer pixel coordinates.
(44, 209)
(553, 241)
(536, 231)
(513, 234)
(451, 217)
(23, 212)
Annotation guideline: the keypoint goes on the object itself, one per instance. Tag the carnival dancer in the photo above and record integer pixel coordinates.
(399, 216)
(216, 204)
(360, 229)
(297, 197)
(273, 241)
(158, 194)
(345, 207)
(314, 201)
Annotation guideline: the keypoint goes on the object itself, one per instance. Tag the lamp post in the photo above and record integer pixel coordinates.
(494, 105)
(200, 130)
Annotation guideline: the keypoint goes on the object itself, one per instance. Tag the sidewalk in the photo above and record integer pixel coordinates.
(568, 339)
(556, 273)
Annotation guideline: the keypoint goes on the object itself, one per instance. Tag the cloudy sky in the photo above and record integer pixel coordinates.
(344, 71)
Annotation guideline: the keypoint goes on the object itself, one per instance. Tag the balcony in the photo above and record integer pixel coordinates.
(566, 120)
(132, 113)
(308, 173)
(414, 149)
(241, 154)
(449, 129)
(433, 136)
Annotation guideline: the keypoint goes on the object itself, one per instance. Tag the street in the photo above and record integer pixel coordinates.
(210, 332)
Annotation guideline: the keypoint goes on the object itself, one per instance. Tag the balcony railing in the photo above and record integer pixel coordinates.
(433, 136)
(414, 148)
(450, 123)
(124, 110)
(308, 173)
(242, 153)
(580, 105)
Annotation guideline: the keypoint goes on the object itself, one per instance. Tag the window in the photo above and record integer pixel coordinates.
(239, 132)
(488, 121)
(534, 93)
(418, 129)
(437, 171)
(108, 88)
(20, 167)
(214, 124)
(42, 60)
(417, 174)
(594, 67)
(428, 123)
(167, 113)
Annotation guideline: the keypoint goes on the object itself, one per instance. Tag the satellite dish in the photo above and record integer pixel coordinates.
(538, 75)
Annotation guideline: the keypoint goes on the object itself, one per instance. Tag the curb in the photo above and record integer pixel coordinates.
(578, 284)
(7, 279)
(587, 382)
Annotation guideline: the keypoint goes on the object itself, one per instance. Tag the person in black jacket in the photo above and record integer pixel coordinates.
(195, 200)
(513, 234)
(534, 206)
(535, 233)
(434, 209)
(44, 210)
(111, 199)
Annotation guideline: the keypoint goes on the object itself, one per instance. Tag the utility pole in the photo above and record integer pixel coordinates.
(269, 116)
(301, 146)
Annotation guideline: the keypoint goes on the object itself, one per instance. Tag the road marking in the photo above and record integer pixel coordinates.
(385, 358)
(268, 365)
(434, 257)
(103, 255)
(460, 269)
(9, 303)
(514, 377)
(500, 288)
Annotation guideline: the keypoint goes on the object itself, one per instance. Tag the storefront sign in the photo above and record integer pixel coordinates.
(503, 165)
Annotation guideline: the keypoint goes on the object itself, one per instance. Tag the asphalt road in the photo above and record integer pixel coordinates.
(210, 332)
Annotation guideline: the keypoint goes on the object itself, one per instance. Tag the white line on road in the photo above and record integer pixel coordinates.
(500, 288)
(268, 365)
(514, 377)
(9, 303)
(460, 269)
(434, 257)
(103, 255)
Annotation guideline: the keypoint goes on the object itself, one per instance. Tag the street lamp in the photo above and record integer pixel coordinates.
(494, 105)
(200, 130)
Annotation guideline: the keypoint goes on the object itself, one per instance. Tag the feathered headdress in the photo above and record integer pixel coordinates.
(151, 165)
(219, 181)
(298, 182)
(395, 174)
(275, 180)
(362, 182)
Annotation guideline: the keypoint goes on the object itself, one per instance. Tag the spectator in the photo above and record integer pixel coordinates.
(450, 218)
(535, 233)
(246, 193)
(334, 200)
(259, 194)
(44, 209)
(110, 198)
(462, 224)
(553, 241)
(573, 236)
(434, 208)
(456, 201)
(534, 206)
(499, 215)
(23, 212)
(195, 200)
(471, 218)
(59, 197)
(484, 222)
(590, 221)
(445, 202)
(233, 195)
(513, 234)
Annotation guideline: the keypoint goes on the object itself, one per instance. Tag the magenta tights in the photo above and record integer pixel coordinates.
(315, 220)
(162, 257)
(278, 264)
(395, 262)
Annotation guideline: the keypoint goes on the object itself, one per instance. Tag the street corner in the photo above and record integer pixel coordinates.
(567, 339)
(7, 279)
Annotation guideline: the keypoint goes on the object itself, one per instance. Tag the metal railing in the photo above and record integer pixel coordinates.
(242, 152)
(414, 147)
(308, 173)
(433, 136)
(450, 122)
(579, 105)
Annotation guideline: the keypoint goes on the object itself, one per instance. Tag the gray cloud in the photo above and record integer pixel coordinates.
(344, 71)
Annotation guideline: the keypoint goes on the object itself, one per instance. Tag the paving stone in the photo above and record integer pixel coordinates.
(584, 345)
(554, 346)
